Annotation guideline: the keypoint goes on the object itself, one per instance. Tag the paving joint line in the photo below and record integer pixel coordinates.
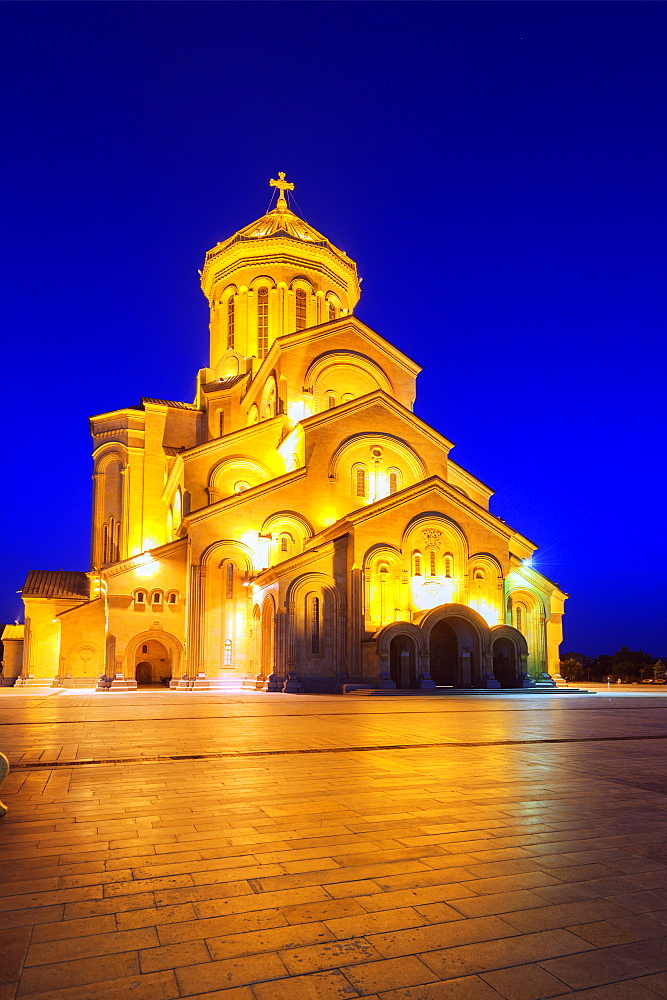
(244, 754)
(295, 715)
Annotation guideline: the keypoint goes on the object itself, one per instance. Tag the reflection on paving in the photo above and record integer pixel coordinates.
(465, 872)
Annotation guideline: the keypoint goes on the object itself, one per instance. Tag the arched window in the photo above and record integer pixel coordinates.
(332, 311)
(230, 323)
(172, 598)
(300, 309)
(156, 598)
(432, 566)
(478, 574)
(105, 543)
(331, 399)
(284, 543)
(361, 481)
(520, 617)
(262, 322)
(228, 653)
(241, 486)
(449, 564)
(144, 649)
(170, 524)
(229, 580)
(315, 625)
(347, 397)
(178, 506)
(417, 564)
(393, 482)
(140, 597)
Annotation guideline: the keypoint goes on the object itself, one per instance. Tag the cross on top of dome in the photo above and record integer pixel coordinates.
(282, 186)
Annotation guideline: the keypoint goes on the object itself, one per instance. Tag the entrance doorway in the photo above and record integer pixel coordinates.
(153, 664)
(444, 653)
(504, 663)
(402, 662)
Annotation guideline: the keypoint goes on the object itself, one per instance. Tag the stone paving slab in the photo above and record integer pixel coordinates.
(470, 849)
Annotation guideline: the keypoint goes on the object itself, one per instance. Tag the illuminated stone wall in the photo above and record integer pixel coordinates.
(297, 526)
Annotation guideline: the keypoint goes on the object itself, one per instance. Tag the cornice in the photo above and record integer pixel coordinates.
(377, 396)
(237, 499)
(267, 260)
(134, 562)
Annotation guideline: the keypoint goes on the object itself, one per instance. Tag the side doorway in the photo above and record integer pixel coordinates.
(505, 663)
(152, 664)
(403, 662)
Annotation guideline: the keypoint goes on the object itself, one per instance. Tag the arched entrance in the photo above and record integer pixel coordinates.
(444, 654)
(152, 664)
(403, 662)
(505, 663)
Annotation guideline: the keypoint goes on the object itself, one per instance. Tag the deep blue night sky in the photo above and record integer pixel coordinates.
(498, 173)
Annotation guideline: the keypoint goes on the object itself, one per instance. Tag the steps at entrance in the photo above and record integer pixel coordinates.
(447, 692)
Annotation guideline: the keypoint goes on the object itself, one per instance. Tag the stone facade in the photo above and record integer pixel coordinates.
(296, 527)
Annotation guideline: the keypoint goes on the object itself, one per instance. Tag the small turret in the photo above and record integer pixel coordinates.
(273, 277)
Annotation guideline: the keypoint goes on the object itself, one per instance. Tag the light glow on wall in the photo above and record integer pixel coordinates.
(431, 591)
(147, 566)
(489, 613)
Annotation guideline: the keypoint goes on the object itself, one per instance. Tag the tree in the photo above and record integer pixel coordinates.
(571, 669)
(660, 672)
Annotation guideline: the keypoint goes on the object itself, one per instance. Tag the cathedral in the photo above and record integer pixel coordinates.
(297, 527)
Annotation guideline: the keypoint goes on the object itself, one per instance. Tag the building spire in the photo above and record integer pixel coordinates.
(282, 186)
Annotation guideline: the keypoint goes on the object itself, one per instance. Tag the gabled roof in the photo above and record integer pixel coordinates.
(11, 632)
(223, 383)
(174, 404)
(384, 399)
(56, 583)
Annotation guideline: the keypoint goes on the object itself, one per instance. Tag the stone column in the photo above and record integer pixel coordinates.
(95, 544)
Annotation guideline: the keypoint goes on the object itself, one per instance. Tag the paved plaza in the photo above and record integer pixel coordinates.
(300, 847)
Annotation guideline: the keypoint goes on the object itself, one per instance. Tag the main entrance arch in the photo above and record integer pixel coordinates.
(444, 654)
(457, 639)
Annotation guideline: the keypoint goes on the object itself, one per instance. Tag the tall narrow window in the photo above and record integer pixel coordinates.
(105, 543)
(315, 625)
(432, 562)
(283, 543)
(300, 309)
(221, 424)
(229, 580)
(230, 323)
(228, 653)
(418, 564)
(393, 482)
(331, 401)
(262, 322)
(361, 482)
(448, 566)
(518, 614)
(332, 311)
(116, 545)
(141, 597)
(172, 598)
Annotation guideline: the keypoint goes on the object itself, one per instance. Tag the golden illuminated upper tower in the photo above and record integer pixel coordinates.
(271, 278)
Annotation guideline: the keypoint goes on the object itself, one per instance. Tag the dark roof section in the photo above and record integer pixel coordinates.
(223, 383)
(169, 402)
(56, 583)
